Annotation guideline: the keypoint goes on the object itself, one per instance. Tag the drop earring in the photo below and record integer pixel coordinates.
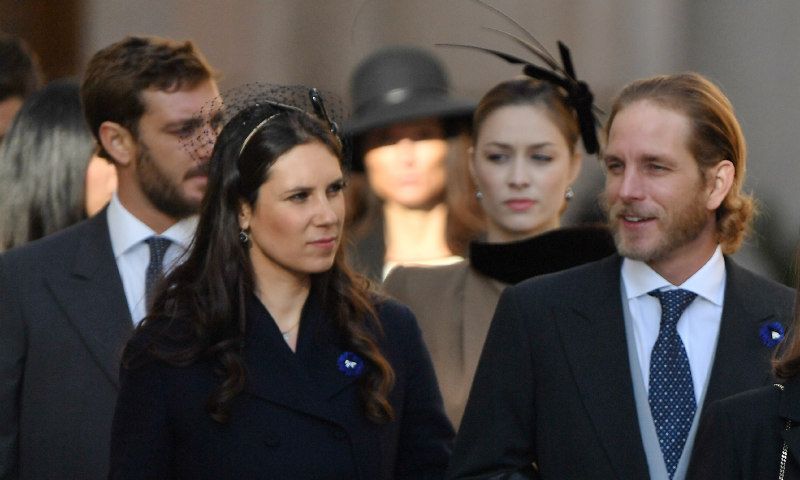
(244, 238)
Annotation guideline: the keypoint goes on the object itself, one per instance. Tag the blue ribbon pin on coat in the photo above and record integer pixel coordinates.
(350, 364)
(771, 334)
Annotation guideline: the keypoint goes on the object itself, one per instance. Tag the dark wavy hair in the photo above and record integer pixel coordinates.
(43, 162)
(199, 314)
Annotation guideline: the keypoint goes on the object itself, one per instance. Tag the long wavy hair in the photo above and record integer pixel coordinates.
(199, 313)
(43, 162)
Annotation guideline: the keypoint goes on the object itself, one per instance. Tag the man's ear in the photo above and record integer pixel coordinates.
(118, 142)
(720, 181)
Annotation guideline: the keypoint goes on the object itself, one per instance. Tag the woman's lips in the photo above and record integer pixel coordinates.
(519, 204)
(327, 242)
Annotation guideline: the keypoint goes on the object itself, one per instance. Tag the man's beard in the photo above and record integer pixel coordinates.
(684, 224)
(164, 194)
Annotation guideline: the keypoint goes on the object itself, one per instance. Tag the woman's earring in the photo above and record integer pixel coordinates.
(479, 195)
(569, 194)
(244, 238)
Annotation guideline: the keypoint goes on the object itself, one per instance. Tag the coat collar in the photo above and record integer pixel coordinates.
(593, 337)
(549, 252)
(307, 378)
(92, 296)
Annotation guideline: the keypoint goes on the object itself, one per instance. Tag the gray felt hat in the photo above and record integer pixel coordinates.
(397, 84)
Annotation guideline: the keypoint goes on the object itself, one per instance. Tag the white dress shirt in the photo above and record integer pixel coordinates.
(698, 327)
(128, 235)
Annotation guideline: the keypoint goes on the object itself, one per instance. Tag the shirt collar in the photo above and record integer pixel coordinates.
(708, 282)
(128, 231)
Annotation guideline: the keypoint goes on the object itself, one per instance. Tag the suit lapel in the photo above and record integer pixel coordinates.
(741, 361)
(92, 296)
(592, 333)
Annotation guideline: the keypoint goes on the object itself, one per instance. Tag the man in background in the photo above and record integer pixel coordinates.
(68, 302)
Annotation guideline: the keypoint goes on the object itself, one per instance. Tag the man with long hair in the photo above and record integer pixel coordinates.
(602, 371)
(69, 301)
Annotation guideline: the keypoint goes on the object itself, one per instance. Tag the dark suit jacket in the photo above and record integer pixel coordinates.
(742, 436)
(554, 386)
(300, 416)
(63, 322)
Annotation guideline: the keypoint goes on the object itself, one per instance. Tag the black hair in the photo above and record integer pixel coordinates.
(43, 162)
(20, 74)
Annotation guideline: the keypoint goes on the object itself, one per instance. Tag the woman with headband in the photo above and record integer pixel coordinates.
(264, 355)
(523, 160)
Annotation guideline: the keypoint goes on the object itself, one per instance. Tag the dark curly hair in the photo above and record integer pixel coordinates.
(199, 313)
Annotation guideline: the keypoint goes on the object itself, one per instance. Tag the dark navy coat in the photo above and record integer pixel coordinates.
(300, 416)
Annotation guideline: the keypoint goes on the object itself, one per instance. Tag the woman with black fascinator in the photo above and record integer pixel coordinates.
(264, 355)
(524, 159)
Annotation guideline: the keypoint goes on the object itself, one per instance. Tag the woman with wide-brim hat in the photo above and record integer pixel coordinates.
(409, 141)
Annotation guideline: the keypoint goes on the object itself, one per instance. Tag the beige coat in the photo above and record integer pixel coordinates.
(454, 305)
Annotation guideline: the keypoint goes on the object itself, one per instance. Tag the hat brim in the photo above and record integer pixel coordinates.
(441, 107)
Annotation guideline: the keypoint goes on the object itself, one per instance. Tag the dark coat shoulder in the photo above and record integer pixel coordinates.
(740, 437)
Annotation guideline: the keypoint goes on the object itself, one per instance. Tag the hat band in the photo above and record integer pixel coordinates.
(397, 96)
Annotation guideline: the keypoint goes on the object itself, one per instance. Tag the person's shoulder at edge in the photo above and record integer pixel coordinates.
(731, 426)
(418, 277)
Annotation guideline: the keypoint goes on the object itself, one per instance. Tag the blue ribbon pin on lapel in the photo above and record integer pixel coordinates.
(771, 334)
(350, 364)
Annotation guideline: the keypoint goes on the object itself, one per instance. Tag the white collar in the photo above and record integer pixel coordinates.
(708, 282)
(128, 231)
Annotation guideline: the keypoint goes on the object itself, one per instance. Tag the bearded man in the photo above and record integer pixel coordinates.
(603, 371)
(69, 302)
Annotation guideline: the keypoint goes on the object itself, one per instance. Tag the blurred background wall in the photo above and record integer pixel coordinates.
(749, 48)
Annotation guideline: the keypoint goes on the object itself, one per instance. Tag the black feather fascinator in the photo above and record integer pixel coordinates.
(578, 94)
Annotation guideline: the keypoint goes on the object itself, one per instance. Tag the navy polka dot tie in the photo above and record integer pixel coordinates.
(155, 269)
(671, 395)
